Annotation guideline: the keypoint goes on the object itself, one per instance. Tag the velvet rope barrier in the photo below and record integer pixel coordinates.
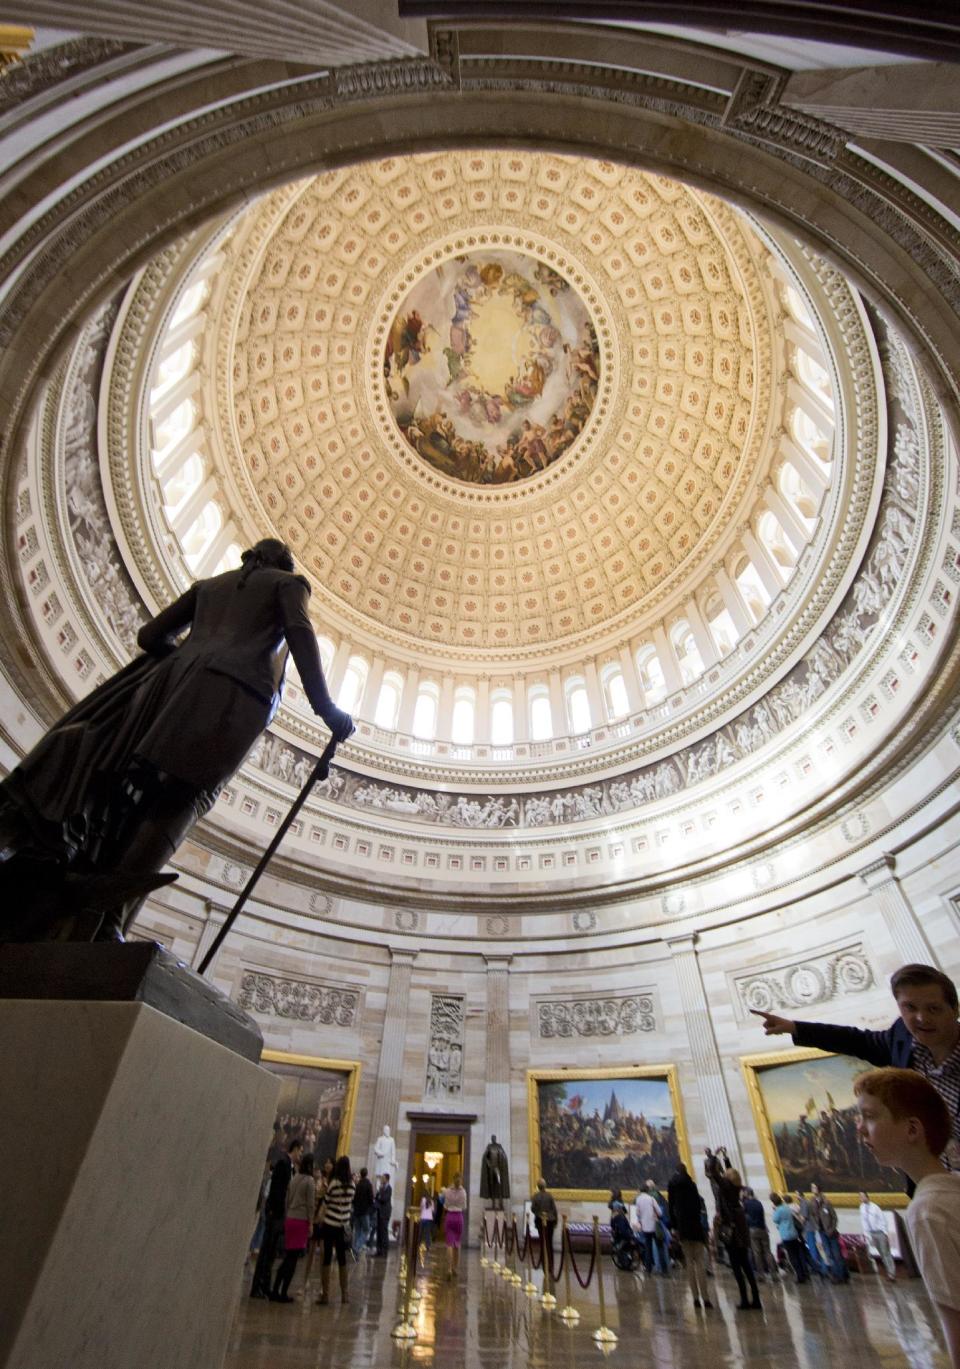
(584, 1283)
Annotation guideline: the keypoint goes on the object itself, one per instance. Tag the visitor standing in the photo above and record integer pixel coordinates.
(544, 1208)
(683, 1202)
(789, 1233)
(383, 1203)
(646, 1215)
(810, 1229)
(759, 1238)
(426, 1221)
(363, 1213)
(276, 1215)
(873, 1224)
(829, 1226)
(734, 1232)
(297, 1227)
(337, 1209)
(455, 1208)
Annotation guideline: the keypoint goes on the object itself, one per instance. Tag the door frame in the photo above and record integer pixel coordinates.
(442, 1123)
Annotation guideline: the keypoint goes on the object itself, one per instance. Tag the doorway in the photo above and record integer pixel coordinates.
(439, 1149)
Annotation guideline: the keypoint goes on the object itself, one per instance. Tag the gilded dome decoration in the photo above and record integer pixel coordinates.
(492, 367)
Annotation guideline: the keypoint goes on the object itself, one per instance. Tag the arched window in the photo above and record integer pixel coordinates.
(796, 492)
(777, 543)
(190, 302)
(578, 707)
(720, 624)
(688, 653)
(808, 436)
(325, 647)
(652, 678)
(797, 307)
(230, 560)
(614, 691)
(172, 368)
(541, 718)
(425, 712)
(463, 724)
(388, 701)
(811, 374)
(752, 589)
(188, 476)
(501, 718)
(351, 686)
(176, 424)
(201, 533)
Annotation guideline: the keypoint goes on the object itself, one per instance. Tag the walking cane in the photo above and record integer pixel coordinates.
(320, 772)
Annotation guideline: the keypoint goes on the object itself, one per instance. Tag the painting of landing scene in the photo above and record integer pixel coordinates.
(316, 1103)
(806, 1116)
(593, 1130)
(491, 367)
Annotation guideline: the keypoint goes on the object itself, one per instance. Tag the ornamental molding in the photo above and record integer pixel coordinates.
(819, 978)
(603, 1015)
(300, 1000)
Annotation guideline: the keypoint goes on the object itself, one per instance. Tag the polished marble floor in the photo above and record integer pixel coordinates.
(481, 1322)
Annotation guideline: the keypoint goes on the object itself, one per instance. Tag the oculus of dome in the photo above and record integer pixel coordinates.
(492, 367)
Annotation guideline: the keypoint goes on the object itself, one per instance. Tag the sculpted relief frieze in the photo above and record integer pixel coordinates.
(803, 983)
(301, 1001)
(445, 1046)
(606, 1016)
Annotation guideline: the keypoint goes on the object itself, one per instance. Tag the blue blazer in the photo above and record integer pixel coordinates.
(891, 1047)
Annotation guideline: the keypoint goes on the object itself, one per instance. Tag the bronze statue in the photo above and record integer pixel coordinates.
(99, 806)
(495, 1174)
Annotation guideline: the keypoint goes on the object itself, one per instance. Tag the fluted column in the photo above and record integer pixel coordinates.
(408, 700)
(733, 602)
(367, 707)
(386, 1097)
(481, 727)
(788, 519)
(598, 708)
(668, 660)
(702, 635)
(497, 1091)
(905, 930)
(717, 1113)
(763, 563)
(628, 664)
(338, 666)
(816, 409)
(215, 915)
(558, 712)
(807, 467)
(521, 710)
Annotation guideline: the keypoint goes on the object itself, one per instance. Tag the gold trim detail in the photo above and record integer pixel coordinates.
(538, 1076)
(752, 1067)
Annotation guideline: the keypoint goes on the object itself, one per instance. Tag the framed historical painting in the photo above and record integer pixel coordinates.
(806, 1116)
(317, 1101)
(593, 1130)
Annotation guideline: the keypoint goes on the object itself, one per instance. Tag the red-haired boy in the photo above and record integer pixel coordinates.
(905, 1122)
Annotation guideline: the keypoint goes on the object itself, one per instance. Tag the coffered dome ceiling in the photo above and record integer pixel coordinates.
(496, 401)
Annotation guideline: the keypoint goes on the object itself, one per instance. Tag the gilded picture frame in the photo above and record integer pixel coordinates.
(318, 1099)
(662, 1101)
(821, 1089)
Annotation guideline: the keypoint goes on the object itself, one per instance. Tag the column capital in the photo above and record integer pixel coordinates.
(679, 945)
(398, 957)
(497, 962)
(879, 871)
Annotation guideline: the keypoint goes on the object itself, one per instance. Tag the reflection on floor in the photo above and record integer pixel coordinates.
(481, 1322)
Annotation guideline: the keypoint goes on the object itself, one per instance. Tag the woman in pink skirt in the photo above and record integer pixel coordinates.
(301, 1196)
(454, 1216)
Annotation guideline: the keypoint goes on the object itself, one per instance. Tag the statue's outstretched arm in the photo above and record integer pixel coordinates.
(158, 636)
(298, 630)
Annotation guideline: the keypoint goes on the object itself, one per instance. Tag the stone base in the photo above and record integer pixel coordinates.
(133, 1149)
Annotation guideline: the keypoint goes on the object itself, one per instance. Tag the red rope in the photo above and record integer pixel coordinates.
(584, 1283)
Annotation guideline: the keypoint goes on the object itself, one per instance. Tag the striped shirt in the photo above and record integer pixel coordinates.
(945, 1078)
(338, 1204)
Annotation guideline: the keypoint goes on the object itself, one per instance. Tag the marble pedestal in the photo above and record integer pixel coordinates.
(133, 1149)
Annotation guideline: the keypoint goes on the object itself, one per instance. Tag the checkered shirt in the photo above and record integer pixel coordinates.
(945, 1079)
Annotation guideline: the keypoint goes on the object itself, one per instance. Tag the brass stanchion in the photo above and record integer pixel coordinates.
(547, 1298)
(515, 1278)
(568, 1312)
(405, 1329)
(530, 1288)
(603, 1334)
(484, 1242)
(495, 1263)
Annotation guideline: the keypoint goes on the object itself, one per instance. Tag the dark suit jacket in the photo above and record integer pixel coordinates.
(891, 1047)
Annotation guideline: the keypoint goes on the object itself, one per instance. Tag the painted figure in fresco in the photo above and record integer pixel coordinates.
(100, 805)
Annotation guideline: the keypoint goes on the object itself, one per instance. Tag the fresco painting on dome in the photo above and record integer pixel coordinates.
(806, 1116)
(593, 1130)
(316, 1103)
(491, 367)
